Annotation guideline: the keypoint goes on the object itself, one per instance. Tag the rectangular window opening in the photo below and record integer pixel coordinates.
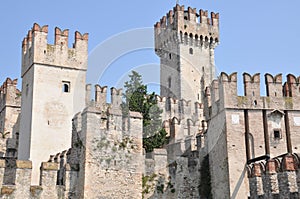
(277, 134)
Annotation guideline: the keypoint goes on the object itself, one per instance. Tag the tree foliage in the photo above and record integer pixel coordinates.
(137, 99)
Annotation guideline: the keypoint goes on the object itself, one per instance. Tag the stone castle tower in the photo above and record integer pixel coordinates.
(57, 69)
(220, 144)
(185, 41)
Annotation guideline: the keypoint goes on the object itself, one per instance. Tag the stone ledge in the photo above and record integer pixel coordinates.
(7, 190)
(23, 164)
(49, 166)
(133, 114)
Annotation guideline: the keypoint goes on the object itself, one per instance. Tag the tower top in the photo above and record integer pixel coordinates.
(190, 21)
(36, 49)
(180, 25)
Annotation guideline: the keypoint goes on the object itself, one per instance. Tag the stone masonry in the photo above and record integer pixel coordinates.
(60, 142)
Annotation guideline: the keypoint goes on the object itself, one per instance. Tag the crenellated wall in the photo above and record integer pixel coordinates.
(111, 148)
(190, 26)
(106, 152)
(180, 118)
(19, 184)
(279, 95)
(251, 127)
(36, 49)
(278, 177)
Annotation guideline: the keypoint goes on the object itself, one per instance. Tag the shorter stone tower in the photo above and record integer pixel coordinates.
(10, 107)
(53, 85)
(185, 42)
(111, 160)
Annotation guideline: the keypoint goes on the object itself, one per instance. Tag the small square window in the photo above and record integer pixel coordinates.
(66, 87)
(277, 134)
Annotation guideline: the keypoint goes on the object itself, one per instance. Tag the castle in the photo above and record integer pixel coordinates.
(58, 142)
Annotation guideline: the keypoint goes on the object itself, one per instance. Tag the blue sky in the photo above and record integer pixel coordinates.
(256, 36)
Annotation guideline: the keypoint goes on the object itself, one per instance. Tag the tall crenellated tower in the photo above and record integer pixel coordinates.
(53, 85)
(185, 41)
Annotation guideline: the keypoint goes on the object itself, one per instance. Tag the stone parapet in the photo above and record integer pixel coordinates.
(36, 50)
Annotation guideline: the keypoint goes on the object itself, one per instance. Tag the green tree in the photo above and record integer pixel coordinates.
(135, 81)
(137, 99)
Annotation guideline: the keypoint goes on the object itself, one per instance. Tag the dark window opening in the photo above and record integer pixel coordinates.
(191, 51)
(255, 103)
(66, 87)
(27, 89)
(169, 82)
(168, 104)
(170, 55)
(277, 134)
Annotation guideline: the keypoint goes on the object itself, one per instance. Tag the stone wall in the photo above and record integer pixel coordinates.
(111, 161)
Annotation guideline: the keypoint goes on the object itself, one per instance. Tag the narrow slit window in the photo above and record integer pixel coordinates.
(169, 82)
(27, 89)
(66, 87)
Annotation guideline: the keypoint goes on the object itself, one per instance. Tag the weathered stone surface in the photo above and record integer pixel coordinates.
(216, 137)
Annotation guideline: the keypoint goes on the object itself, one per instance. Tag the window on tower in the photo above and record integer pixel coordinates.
(169, 82)
(66, 87)
(277, 134)
(191, 51)
(27, 89)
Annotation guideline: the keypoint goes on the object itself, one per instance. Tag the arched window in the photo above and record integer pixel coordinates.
(66, 87)
(191, 51)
